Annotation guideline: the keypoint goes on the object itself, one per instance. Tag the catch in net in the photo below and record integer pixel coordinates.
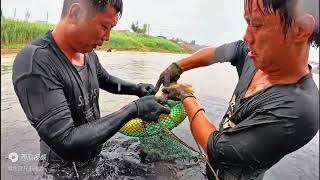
(156, 139)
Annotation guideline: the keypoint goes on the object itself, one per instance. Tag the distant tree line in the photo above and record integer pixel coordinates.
(144, 29)
(178, 40)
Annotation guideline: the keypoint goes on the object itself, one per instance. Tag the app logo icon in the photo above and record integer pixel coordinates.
(14, 157)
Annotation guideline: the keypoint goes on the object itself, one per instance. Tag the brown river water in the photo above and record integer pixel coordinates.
(120, 160)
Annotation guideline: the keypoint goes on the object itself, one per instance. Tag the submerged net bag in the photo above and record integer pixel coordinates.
(156, 141)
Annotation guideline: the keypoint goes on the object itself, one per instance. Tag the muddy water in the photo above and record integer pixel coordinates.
(120, 159)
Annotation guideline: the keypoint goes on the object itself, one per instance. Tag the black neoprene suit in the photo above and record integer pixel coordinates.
(61, 105)
(270, 124)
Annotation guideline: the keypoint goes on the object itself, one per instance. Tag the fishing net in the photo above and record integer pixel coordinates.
(156, 140)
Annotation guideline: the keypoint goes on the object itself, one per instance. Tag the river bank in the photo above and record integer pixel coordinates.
(16, 34)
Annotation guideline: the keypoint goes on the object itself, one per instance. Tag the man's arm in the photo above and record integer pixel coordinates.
(116, 85)
(48, 111)
(234, 53)
(200, 126)
(203, 57)
(262, 142)
(254, 145)
(41, 92)
(259, 140)
(230, 52)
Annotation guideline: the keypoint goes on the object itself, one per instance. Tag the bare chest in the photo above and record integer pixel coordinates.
(258, 83)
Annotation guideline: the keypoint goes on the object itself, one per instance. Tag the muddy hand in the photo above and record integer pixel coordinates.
(144, 89)
(171, 74)
(178, 92)
(149, 108)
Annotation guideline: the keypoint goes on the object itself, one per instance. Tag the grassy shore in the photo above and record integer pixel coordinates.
(141, 42)
(16, 34)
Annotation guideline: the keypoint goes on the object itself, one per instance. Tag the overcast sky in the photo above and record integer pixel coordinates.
(208, 22)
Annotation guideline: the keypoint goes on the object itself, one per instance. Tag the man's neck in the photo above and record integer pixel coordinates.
(291, 72)
(59, 35)
(285, 77)
(263, 79)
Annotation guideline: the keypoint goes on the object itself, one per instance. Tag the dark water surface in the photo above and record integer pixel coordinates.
(120, 157)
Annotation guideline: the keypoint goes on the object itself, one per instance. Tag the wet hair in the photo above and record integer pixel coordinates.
(286, 10)
(93, 5)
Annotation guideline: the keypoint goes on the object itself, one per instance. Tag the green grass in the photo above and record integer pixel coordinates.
(141, 42)
(16, 34)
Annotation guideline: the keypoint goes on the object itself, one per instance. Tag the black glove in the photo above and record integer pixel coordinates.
(144, 89)
(171, 74)
(150, 108)
(178, 93)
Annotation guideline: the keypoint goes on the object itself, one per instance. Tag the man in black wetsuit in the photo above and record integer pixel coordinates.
(57, 80)
(275, 107)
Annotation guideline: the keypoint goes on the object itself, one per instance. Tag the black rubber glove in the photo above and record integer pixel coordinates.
(144, 89)
(150, 108)
(178, 93)
(171, 74)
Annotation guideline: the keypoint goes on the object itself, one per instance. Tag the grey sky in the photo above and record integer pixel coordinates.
(208, 22)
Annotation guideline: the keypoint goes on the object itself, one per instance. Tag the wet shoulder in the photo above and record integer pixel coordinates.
(295, 107)
(297, 99)
(306, 95)
(303, 110)
(297, 104)
(35, 53)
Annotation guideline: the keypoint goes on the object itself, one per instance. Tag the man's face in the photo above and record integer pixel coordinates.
(92, 31)
(266, 39)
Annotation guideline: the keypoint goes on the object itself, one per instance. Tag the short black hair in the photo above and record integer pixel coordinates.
(95, 5)
(286, 10)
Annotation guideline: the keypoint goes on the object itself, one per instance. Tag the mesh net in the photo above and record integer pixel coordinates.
(155, 142)
(164, 147)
